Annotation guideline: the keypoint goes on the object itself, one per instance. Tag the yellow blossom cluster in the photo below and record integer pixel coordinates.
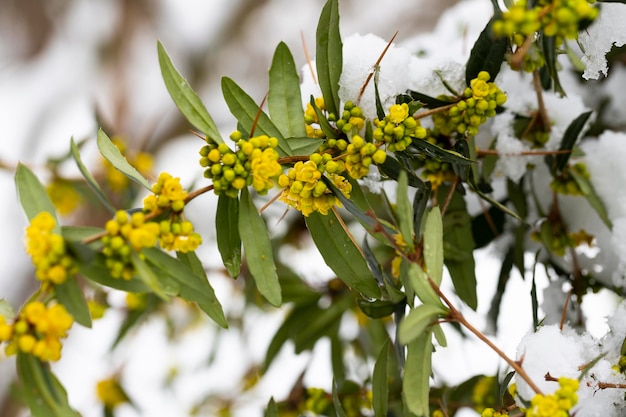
(168, 192)
(398, 128)
(178, 235)
(360, 155)
(110, 393)
(38, 330)
(125, 234)
(63, 195)
(478, 103)
(305, 190)
(255, 163)
(351, 118)
(490, 412)
(48, 250)
(312, 121)
(557, 404)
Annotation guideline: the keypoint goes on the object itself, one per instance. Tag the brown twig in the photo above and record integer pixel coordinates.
(258, 114)
(380, 58)
(433, 111)
(485, 152)
(271, 200)
(446, 203)
(345, 228)
(457, 316)
(542, 107)
(308, 57)
(564, 313)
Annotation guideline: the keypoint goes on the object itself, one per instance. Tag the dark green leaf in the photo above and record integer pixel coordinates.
(380, 384)
(71, 296)
(548, 44)
(227, 233)
(339, 411)
(258, 249)
(487, 54)
(328, 130)
(43, 392)
(328, 55)
(337, 354)
(495, 202)
(420, 201)
(439, 153)
(429, 102)
(377, 309)
(91, 181)
(340, 253)
(245, 110)
(186, 99)
(392, 168)
(592, 197)
(188, 273)
(417, 321)
(271, 410)
(380, 111)
(570, 137)
(487, 226)
(284, 100)
(110, 152)
(503, 279)
(304, 146)
(417, 369)
(33, 196)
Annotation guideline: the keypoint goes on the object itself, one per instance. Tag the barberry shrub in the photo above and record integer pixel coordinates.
(398, 179)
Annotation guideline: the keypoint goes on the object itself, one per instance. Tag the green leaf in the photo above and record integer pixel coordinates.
(71, 296)
(79, 233)
(91, 181)
(405, 210)
(328, 130)
(377, 309)
(328, 55)
(548, 46)
(441, 154)
(429, 102)
(340, 253)
(258, 249)
(6, 309)
(392, 168)
(245, 110)
(188, 273)
(149, 277)
(227, 230)
(421, 286)
(380, 384)
(110, 152)
(417, 369)
(433, 245)
(494, 202)
(487, 54)
(271, 410)
(420, 201)
(592, 197)
(569, 139)
(284, 100)
(321, 323)
(96, 271)
(43, 392)
(339, 411)
(304, 146)
(186, 99)
(33, 196)
(417, 321)
(380, 111)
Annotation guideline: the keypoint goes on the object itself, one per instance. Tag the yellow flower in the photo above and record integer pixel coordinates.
(264, 168)
(110, 393)
(64, 196)
(398, 112)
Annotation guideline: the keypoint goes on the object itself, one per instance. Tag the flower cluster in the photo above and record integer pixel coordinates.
(38, 330)
(484, 393)
(48, 250)
(490, 412)
(360, 155)
(437, 172)
(168, 192)
(398, 128)
(125, 234)
(557, 404)
(178, 235)
(479, 102)
(562, 18)
(565, 184)
(351, 118)
(311, 119)
(254, 163)
(304, 188)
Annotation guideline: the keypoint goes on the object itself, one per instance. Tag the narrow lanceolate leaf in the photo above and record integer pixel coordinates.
(592, 197)
(404, 210)
(328, 56)
(258, 250)
(284, 100)
(433, 245)
(421, 286)
(148, 276)
(549, 49)
(271, 410)
(71, 296)
(417, 321)
(186, 99)
(487, 54)
(245, 110)
(443, 155)
(110, 152)
(32, 195)
(327, 129)
(96, 271)
(91, 181)
(380, 382)
(227, 231)
(339, 411)
(188, 273)
(304, 146)
(417, 369)
(43, 393)
(569, 139)
(340, 254)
